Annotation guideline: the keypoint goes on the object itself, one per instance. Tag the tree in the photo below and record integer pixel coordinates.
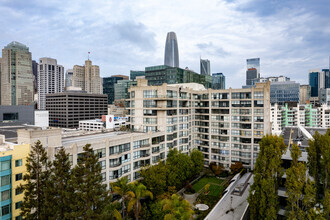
(154, 178)
(90, 195)
(177, 208)
(36, 178)
(122, 188)
(263, 198)
(197, 159)
(59, 190)
(140, 191)
(295, 182)
(111, 212)
(217, 169)
(236, 167)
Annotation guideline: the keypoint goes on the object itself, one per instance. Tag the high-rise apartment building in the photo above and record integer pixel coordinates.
(109, 86)
(68, 77)
(225, 125)
(218, 81)
(205, 67)
(50, 79)
(16, 75)
(87, 78)
(171, 50)
(134, 74)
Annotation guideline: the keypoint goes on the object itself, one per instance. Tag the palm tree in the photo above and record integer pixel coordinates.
(177, 208)
(123, 188)
(140, 191)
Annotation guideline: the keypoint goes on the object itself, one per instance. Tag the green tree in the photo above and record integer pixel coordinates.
(123, 188)
(177, 208)
(295, 182)
(154, 178)
(110, 211)
(139, 191)
(197, 159)
(90, 194)
(263, 198)
(59, 190)
(236, 167)
(36, 178)
(178, 168)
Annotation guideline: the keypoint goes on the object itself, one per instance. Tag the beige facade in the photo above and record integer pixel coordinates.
(16, 75)
(88, 78)
(304, 94)
(226, 125)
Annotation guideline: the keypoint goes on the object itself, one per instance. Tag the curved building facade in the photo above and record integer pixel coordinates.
(171, 50)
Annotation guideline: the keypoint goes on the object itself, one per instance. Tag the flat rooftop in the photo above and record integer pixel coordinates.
(10, 132)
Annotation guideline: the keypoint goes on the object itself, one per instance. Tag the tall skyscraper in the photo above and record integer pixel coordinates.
(87, 78)
(253, 63)
(50, 79)
(171, 50)
(205, 67)
(35, 75)
(314, 82)
(218, 81)
(16, 75)
(68, 77)
(251, 76)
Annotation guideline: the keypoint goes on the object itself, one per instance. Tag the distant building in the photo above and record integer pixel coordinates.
(218, 81)
(314, 82)
(284, 92)
(16, 75)
(66, 109)
(255, 64)
(251, 76)
(205, 67)
(87, 77)
(324, 96)
(274, 79)
(16, 115)
(35, 74)
(121, 88)
(68, 77)
(50, 79)
(157, 75)
(171, 50)
(134, 74)
(304, 94)
(109, 86)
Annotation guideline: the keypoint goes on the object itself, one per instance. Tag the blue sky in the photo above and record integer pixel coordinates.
(289, 36)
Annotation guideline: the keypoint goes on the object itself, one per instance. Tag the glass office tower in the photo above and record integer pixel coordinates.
(171, 50)
(314, 83)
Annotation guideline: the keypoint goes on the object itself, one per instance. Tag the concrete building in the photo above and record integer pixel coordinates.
(16, 75)
(68, 77)
(109, 86)
(66, 109)
(157, 75)
(50, 79)
(225, 125)
(117, 111)
(274, 79)
(205, 67)
(304, 94)
(16, 115)
(13, 167)
(134, 74)
(88, 78)
(171, 57)
(218, 81)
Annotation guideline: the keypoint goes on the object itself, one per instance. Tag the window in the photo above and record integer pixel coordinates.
(103, 176)
(100, 152)
(10, 116)
(149, 93)
(5, 195)
(102, 164)
(18, 163)
(18, 191)
(18, 218)
(5, 165)
(5, 180)
(18, 205)
(5, 210)
(19, 177)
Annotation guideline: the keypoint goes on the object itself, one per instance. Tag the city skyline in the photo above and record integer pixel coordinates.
(290, 37)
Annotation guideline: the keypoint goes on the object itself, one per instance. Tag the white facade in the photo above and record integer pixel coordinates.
(41, 118)
(50, 79)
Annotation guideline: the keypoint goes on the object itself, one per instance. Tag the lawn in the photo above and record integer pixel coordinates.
(205, 180)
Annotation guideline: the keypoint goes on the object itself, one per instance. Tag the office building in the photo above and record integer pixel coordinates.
(13, 167)
(314, 82)
(50, 79)
(205, 67)
(255, 64)
(157, 75)
(35, 74)
(251, 76)
(324, 96)
(121, 88)
(225, 125)
(87, 77)
(68, 77)
(171, 50)
(304, 94)
(284, 92)
(16, 75)
(16, 115)
(274, 79)
(66, 109)
(109, 86)
(134, 74)
(218, 81)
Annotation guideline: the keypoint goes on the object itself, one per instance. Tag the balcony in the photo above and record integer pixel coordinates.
(115, 165)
